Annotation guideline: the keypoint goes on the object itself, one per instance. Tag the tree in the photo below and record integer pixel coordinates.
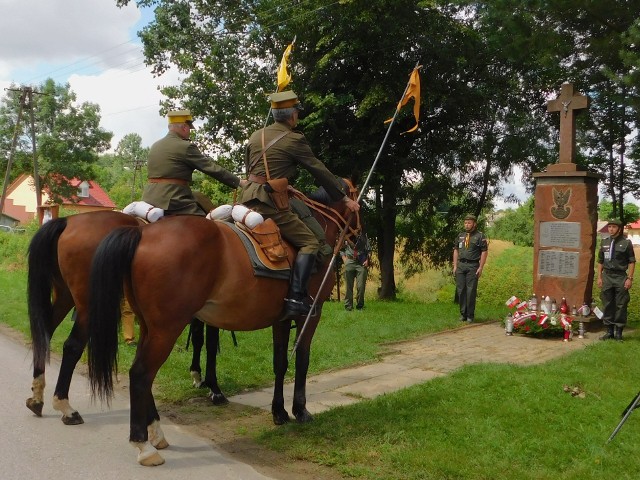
(68, 136)
(606, 211)
(515, 225)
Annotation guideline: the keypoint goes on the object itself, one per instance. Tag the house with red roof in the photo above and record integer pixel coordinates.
(632, 230)
(21, 205)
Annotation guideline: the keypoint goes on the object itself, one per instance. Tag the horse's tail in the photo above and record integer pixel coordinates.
(110, 268)
(43, 268)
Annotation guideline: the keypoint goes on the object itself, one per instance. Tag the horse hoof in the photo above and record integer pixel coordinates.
(35, 407)
(152, 460)
(280, 418)
(218, 399)
(74, 419)
(162, 444)
(303, 416)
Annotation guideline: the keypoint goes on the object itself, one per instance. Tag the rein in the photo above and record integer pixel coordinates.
(331, 213)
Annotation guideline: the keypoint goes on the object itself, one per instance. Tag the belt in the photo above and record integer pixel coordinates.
(257, 179)
(173, 181)
(464, 260)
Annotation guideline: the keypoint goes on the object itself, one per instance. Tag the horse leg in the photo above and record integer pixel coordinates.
(303, 353)
(280, 331)
(61, 307)
(197, 341)
(71, 353)
(150, 356)
(211, 375)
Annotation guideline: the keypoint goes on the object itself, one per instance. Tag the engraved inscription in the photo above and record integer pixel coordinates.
(560, 234)
(557, 263)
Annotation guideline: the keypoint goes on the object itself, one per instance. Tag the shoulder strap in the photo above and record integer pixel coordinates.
(256, 159)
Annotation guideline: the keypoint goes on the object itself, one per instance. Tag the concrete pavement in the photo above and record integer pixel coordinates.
(418, 361)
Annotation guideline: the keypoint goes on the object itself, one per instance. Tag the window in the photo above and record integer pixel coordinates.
(83, 189)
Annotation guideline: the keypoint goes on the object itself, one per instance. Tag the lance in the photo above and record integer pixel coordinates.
(627, 412)
(340, 241)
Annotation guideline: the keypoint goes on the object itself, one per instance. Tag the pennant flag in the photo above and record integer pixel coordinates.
(413, 91)
(283, 75)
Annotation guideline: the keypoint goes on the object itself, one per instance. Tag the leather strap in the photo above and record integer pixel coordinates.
(257, 179)
(255, 161)
(173, 181)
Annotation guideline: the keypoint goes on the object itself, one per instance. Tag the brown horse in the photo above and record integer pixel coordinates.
(59, 262)
(174, 270)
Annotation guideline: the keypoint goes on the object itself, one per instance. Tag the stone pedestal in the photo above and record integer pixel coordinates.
(565, 233)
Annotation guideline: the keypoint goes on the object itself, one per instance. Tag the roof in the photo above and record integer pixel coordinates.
(97, 196)
(635, 225)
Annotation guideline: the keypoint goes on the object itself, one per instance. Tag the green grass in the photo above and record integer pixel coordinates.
(481, 422)
(486, 422)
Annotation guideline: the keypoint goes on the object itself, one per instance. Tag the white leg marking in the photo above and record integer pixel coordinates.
(148, 455)
(63, 407)
(37, 387)
(156, 435)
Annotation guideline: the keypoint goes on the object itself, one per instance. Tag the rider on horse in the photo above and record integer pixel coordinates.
(272, 157)
(172, 160)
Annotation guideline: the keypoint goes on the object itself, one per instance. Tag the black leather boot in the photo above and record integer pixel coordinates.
(617, 335)
(608, 334)
(296, 303)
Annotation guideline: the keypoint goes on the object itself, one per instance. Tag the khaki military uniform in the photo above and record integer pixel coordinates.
(469, 254)
(284, 158)
(615, 255)
(173, 157)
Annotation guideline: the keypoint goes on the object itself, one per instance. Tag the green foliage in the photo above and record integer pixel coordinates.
(515, 225)
(631, 211)
(68, 136)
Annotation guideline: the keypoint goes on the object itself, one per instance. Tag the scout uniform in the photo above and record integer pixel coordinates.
(470, 247)
(286, 150)
(615, 255)
(355, 271)
(171, 162)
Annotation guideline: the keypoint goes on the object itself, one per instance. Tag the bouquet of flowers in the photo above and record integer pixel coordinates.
(535, 323)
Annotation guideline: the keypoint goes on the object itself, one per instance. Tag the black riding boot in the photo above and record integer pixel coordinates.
(618, 333)
(296, 302)
(608, 334)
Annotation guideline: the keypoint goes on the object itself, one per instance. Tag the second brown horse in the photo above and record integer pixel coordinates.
(172, 270)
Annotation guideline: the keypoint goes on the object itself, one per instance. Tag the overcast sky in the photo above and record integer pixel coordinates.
(92, 44)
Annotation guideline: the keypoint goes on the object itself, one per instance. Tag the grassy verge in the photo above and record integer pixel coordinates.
(486, 422)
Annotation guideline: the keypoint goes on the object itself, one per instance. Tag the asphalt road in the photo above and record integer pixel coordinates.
(43, 447)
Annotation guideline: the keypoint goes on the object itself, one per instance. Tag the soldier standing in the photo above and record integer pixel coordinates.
(469, 257)
(614, 258)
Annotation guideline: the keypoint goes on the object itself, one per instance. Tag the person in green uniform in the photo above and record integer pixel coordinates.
(356, 268)
(469, 257)
(281, 149)
(616, 264)
(171, 162)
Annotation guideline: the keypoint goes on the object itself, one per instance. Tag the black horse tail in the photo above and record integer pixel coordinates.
(43, 268)
(111, 266)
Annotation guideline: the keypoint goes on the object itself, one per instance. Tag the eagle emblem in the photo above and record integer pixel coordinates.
(560, 210)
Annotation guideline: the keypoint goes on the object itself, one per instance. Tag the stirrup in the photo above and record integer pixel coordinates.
(296, 308)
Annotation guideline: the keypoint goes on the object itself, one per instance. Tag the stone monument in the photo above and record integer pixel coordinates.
(566, 215)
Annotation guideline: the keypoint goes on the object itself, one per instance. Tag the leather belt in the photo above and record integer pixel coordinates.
(173, 181)
(464, 260)
(257, 179)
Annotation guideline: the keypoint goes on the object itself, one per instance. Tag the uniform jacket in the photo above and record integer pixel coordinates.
(283, 159)
(623, 254)
(477, 245)
(175, 157)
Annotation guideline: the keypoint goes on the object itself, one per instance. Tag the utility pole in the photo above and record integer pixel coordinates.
(26, 101)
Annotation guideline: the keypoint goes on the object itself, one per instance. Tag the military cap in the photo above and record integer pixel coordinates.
(180, 116)
(615, 221)
(471, 217)
(286, 99)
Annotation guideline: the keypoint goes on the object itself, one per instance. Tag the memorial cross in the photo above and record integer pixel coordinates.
(569, 104)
